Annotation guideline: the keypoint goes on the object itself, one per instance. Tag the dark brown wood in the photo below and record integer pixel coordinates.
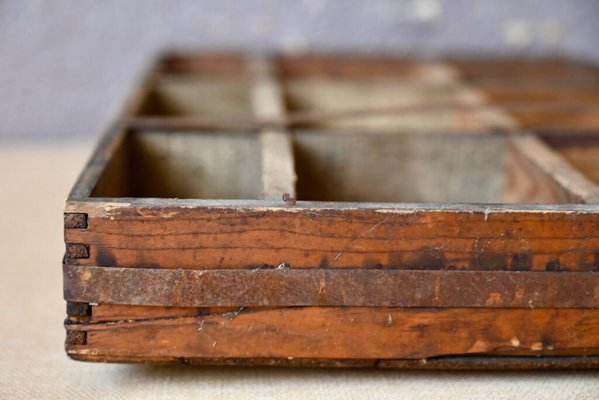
(75, 221)
(76, 250)
(78, 309)
(287, 287)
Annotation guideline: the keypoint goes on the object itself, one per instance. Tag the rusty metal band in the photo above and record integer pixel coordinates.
(287, 287)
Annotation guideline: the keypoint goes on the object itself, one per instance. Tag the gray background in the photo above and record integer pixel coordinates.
(66, 66)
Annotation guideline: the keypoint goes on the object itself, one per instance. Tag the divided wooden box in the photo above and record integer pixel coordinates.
(342, 211)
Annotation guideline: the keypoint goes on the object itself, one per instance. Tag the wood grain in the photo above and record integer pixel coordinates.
(348, 333)
(311, 235)
(177, 165)
(425, 167)
(583, 158)
(536, 173)
(285, 287)
(278, 172)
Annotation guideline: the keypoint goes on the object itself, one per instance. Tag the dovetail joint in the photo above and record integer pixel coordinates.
(76, 338)
(76, 250)
(75, 220)
(77, 309)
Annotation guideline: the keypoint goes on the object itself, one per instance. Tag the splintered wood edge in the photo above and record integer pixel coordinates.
(551, 164)
(278, 169)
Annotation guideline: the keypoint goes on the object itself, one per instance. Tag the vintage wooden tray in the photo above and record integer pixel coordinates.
(342, 211)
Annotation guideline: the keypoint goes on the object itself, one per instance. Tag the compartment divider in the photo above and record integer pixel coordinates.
(278, 169)
(549, 174)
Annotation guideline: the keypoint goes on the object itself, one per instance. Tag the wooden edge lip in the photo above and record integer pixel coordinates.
(345, 56)
(458, 363)
(101, 206)
(288, 287)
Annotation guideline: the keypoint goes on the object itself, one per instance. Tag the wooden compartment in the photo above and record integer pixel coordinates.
(338, 217)
(201, 165)
(185, 96)
(422, 98)
(408, 168)
(180, 88)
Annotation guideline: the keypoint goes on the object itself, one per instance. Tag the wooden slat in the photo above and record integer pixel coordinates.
(287, 287)
(223, 235)
(278, 174)
(542, 170)
(347, 333)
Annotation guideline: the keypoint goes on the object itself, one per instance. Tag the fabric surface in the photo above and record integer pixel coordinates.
(34, 181)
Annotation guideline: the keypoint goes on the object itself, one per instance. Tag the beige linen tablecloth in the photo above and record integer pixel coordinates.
(34, 181)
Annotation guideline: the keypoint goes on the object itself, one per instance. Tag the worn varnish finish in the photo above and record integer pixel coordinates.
(330, 287)
(349, 333)
(314, 211)
(478, 238)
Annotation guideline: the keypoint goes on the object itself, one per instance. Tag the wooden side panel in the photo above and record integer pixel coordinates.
(477, 238)
(120, 312)
(330, 287)
(115, 178)
(342, 333)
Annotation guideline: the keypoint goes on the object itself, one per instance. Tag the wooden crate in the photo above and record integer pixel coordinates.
(342, 211)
